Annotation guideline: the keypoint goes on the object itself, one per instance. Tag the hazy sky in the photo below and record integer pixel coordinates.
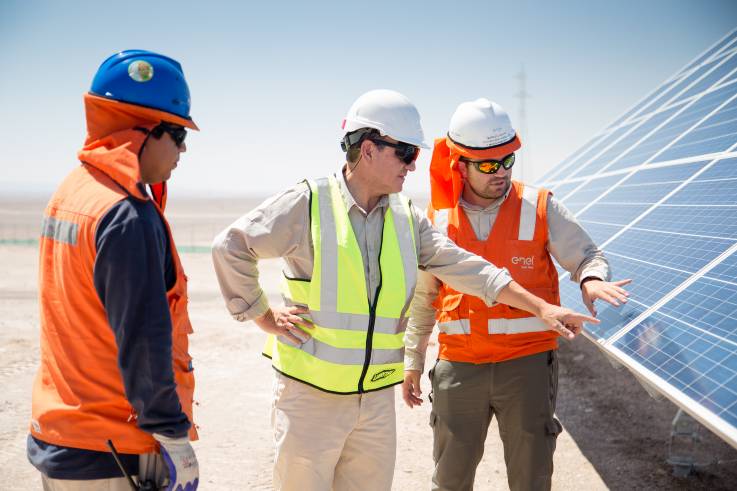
(271, 81)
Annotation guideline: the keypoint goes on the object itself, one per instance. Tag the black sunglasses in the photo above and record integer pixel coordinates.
(491, 166)
(177, 133)
(407, 153)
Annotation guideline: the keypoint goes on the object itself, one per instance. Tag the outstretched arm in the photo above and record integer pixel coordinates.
(560, 319)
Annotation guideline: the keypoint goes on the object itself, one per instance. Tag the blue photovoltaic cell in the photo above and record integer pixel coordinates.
(706, 206)
(599, 232)
(716, 134)
(722, 169)
(639, 193)
(709, 305)
(695, 362)
(726, 270)
(561, 191)
(650, 187)
(613, 214)
(650, 103)
(702, 192)
(574, 207)
(691, 115)
(689, 83)
(624, 145)
(724, 43)
(683, 252)
(612, 320)
(704, 221)
(717, 185)
(671, 173)
(653, 281)
(561, 171)
(728, 64)
(580, 169)
(590, 191)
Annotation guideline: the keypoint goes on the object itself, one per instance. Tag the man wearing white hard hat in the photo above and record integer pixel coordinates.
(497, 360)
(351, 245)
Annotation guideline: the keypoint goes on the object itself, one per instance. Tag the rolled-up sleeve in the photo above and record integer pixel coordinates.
(276, 228)
(572, 247)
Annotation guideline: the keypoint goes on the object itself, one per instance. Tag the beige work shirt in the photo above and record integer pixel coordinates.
(280, 227)
(568, 243)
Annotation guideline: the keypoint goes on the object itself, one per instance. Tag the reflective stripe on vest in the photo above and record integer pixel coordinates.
(346, 356)
(459, 326)
(59, 230)
(528, 213)
(516, 326)
(496, 326)
(355, 347)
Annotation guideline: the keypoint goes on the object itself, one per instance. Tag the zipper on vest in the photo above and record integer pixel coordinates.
(372, 318)
(369, 340)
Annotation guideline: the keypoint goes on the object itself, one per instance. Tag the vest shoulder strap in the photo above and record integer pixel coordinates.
(528, 213)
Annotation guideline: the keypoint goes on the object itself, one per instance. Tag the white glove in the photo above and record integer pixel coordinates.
(181, 463)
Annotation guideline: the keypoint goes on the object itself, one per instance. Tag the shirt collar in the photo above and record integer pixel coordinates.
(348, 198)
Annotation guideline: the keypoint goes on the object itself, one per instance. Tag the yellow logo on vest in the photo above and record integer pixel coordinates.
(524, 262)
(382, 374)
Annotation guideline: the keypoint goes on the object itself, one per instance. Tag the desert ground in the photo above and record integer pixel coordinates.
(615, 434)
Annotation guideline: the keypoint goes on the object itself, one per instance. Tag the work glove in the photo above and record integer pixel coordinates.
(181, 463)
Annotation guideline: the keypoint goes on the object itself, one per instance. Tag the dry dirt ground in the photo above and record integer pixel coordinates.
(615, 433)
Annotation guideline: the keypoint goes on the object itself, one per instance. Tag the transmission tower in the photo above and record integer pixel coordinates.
(523, 155)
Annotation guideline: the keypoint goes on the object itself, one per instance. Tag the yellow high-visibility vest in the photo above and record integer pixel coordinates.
(355, 346)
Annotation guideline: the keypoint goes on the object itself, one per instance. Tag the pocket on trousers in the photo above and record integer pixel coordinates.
(430, 375)
(433, 419)
(553, 427)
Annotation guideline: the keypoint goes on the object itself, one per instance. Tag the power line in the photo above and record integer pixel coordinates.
(523, 155)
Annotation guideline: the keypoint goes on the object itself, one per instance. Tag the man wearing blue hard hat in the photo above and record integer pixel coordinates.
(115, 372)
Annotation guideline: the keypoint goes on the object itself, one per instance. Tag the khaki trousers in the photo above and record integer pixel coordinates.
(328, 441)
(521, 393)
(151, 466)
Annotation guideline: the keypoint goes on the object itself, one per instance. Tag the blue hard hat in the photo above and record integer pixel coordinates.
(146, 79)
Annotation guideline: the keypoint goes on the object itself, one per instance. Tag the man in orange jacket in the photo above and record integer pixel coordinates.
(113, 295)
(495, 360)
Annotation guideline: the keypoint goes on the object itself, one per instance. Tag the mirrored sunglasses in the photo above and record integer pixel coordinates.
(491, 166)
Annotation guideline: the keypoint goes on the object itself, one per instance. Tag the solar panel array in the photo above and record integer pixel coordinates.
(657, 190)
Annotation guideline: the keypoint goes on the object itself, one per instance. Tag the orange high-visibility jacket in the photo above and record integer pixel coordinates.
(78, 395)
(469, 330)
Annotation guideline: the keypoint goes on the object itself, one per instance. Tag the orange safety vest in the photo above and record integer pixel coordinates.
(78, 395)
(469, 330)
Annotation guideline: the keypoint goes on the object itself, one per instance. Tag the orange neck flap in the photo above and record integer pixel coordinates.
(112, 146)
(446, 183)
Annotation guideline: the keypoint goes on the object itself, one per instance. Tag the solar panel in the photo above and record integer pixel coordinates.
(657, 190)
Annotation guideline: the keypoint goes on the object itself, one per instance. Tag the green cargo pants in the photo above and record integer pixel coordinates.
(521, 393)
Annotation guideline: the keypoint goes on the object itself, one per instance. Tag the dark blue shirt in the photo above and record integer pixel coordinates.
(133, 270)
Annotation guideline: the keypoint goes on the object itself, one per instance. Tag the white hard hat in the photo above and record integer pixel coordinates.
(480, 124)
(389, 112)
